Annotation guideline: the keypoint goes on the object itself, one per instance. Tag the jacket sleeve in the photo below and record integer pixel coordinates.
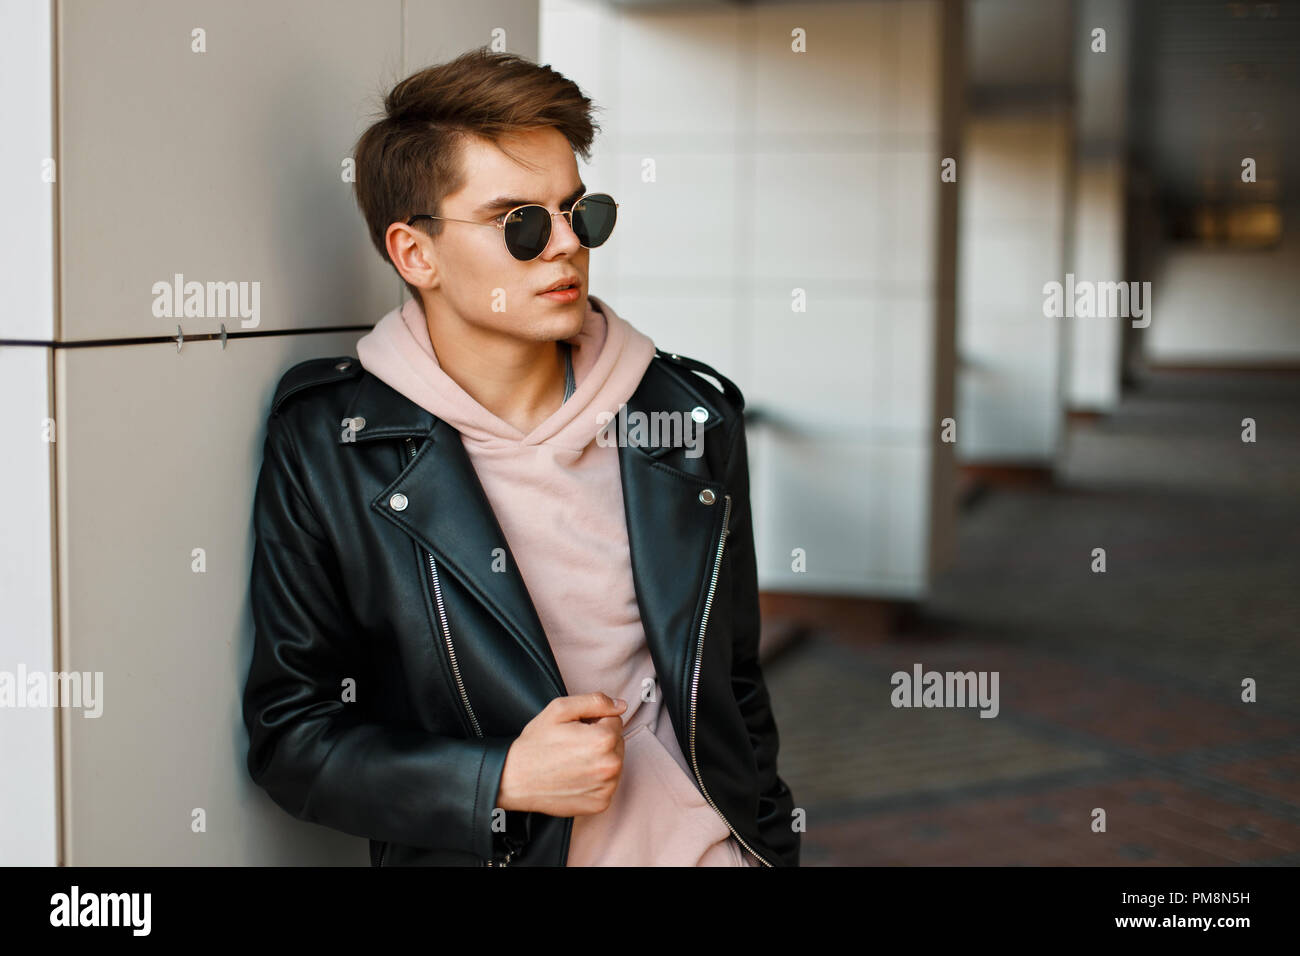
(775, 802)
(311, 750)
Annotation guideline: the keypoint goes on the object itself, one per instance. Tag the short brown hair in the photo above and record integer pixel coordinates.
(409, 160)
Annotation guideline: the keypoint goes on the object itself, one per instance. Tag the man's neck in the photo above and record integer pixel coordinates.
(522, 383)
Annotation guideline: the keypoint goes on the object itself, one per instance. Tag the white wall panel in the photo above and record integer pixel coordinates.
(667, 68)
(820, 215)
(434, 31)
(677, 229)
(838, 88)
(28, 176)
(790, 373)
(220, 166)
(909, 207)
(29, 795)
(158, 455)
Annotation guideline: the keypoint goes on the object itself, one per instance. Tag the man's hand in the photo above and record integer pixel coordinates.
(568, 760)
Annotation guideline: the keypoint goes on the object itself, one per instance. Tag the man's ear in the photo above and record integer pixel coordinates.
(411, 253)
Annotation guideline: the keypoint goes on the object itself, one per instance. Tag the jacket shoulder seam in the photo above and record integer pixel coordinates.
(314, 372)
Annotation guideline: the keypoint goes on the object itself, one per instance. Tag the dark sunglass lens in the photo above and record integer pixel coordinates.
(527, 230)
(593, 219)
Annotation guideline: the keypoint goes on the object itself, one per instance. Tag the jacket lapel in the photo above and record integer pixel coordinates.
(449, 514)
(672, 533)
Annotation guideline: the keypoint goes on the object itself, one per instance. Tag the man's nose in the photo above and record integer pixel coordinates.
(563, 238)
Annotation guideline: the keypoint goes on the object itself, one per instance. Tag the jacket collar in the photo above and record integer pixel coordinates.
(380, 411)
(673, 531)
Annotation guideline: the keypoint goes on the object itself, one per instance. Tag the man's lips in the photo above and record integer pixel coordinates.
(571, 294)
(563, 285)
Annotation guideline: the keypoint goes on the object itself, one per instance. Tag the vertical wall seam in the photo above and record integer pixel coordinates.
(744, 305)
(62, 774)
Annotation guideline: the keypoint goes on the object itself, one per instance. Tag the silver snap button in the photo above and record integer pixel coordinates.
(700, 413)
(344, 365)
(358, 423)
(397, 502)
(707, 496)
(676, 356)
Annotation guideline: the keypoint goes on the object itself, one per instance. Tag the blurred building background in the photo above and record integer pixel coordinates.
(854, 210)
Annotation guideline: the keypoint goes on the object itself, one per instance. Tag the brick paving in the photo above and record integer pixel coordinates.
(1119, 691)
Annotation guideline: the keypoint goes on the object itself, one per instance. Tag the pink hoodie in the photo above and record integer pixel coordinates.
(558, 497)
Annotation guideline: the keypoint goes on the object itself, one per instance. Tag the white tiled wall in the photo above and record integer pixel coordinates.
(777, 171)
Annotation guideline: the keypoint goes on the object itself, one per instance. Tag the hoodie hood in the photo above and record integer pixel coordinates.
(609, 356)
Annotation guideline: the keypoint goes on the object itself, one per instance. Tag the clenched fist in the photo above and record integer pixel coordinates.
(568, 760)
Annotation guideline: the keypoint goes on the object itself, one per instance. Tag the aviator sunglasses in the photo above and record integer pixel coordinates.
(527, 229)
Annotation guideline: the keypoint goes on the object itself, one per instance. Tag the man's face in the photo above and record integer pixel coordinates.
(474, 275)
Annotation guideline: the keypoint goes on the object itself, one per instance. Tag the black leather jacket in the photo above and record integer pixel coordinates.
(392, 669)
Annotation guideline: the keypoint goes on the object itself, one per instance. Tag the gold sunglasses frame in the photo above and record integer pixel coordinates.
(505, 218)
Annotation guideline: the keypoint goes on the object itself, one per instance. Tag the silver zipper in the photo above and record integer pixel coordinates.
(451, 655)
(695, 678)
(446, 631)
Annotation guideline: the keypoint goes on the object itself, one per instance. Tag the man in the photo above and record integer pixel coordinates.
(493, 625)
